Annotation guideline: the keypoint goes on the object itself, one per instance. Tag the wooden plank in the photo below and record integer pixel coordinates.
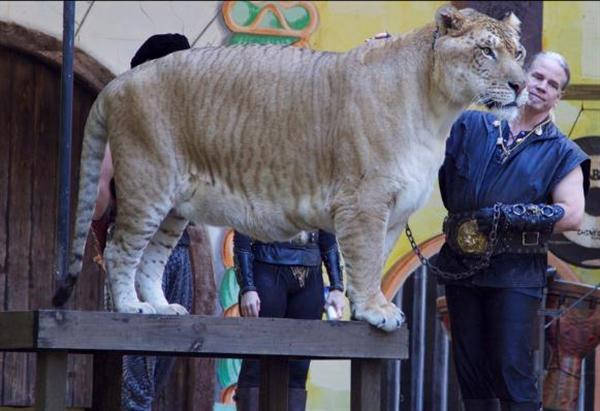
(582, 92)
(51, 381)
(18, 368)
(199, 335)
(201, 370)
(87, 296)
(5, 133)
(108, 377)
(43, 181)
(17, 330)
(274, 379)
(202, 381)
(365, 384)
(174, 394)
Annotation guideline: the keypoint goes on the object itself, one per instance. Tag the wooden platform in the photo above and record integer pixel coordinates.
(54, 333)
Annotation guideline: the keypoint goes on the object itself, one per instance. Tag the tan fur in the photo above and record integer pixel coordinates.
(274, 140)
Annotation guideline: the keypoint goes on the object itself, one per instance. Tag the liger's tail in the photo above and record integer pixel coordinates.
(92, 154)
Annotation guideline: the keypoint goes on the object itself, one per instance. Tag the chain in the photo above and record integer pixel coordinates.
(482, 263)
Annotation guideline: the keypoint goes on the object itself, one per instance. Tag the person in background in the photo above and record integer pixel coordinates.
(284, 280)
(144, 376)
(507, 187)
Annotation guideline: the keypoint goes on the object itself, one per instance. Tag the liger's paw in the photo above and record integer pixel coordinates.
(136, 308)
(171, 309)
(385, 316)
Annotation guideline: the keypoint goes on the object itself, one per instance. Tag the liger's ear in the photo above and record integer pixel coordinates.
(512, 20)
(449, 19)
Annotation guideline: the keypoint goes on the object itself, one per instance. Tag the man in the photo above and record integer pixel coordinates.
(284, 280)
(144, 376)
(507, 187)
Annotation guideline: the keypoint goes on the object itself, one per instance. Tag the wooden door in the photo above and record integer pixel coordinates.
(29, 134)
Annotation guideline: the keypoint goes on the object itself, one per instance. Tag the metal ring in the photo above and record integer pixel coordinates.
(547, 211)
(518, 209)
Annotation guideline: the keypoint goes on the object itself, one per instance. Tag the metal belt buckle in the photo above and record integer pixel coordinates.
(301, 239)
(530, 238)
(470, 240)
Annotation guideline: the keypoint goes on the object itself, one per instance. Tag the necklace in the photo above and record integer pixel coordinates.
(538, 130)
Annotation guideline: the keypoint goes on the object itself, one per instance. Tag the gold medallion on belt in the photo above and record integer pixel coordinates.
(470, 240)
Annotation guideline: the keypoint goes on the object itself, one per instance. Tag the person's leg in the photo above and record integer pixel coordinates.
(144, 377)
(178, 286)
(513, 317)
(467, 324)
(273, 295)
(137, 390)
(305, 302)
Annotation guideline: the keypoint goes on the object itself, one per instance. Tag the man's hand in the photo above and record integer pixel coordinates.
(337, 301)
(250, 304)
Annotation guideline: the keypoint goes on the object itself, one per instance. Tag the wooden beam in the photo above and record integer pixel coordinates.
(194, 335)
(107, 381)
(582, 92)
(274, 378)
(365, 384)
(21, 334)
(53, 333)
(51, 381)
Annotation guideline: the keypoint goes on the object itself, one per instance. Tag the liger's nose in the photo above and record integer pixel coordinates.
(517, 86)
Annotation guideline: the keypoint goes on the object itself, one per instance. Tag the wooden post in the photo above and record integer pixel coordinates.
(51, 381)
(365, 384)
(274, 377)
(108, 378)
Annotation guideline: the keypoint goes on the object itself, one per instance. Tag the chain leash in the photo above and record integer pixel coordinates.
(481, 264)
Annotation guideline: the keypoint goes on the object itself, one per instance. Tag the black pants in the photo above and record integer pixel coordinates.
(494, 335)
(282, 296)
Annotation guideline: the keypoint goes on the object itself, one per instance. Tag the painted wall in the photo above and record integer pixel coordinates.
(112, 31)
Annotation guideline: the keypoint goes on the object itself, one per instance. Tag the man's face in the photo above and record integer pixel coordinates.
(544, 83)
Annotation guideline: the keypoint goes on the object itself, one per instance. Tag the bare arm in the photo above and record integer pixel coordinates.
(568, 193)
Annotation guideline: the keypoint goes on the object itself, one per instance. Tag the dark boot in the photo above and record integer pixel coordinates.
(492, 404)
(246, 399)
(296, 399)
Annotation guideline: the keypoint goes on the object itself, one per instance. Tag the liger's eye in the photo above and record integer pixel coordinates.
(487, 51)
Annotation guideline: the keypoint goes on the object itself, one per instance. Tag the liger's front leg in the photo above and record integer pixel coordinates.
(361, 235)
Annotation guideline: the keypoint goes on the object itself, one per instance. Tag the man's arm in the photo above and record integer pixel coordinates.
(244, 270)
(568, 194)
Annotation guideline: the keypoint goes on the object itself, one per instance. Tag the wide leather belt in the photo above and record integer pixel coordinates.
(465, 236)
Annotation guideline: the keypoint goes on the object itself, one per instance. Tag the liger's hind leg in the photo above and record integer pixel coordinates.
(150, 271)
(134, 227)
